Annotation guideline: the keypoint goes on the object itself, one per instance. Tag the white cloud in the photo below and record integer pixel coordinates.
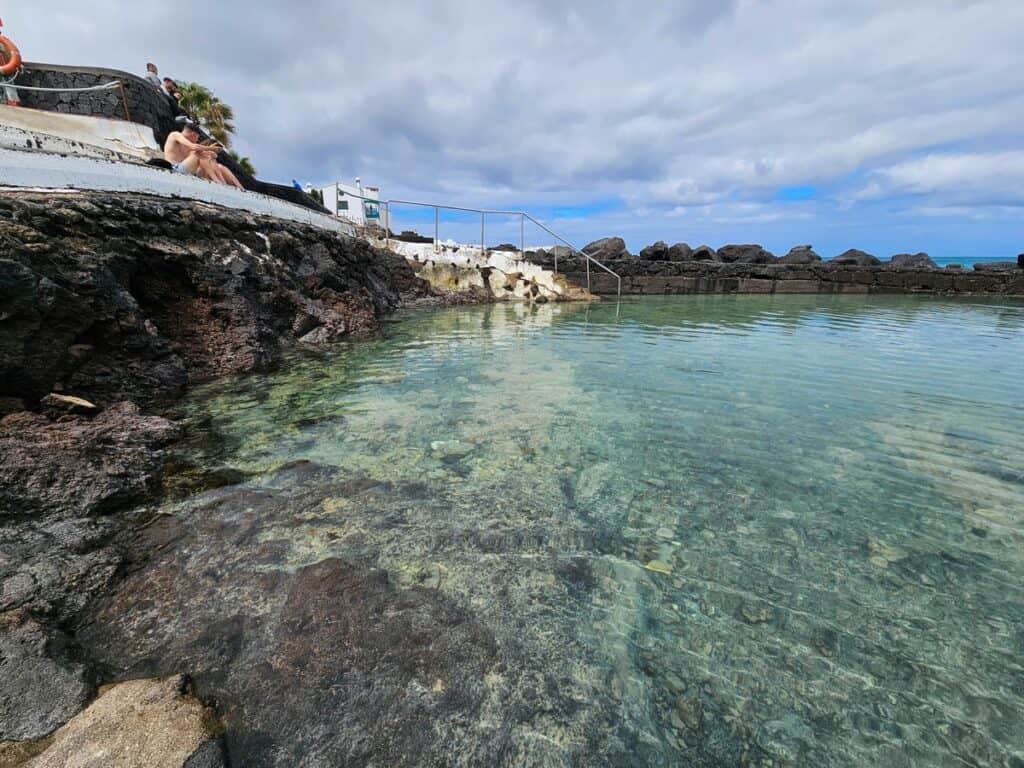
(679, 106)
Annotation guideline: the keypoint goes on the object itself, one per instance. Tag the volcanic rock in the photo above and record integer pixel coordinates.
(41, 688)
(912, 261)
(801, 254)
(680, 252)
(855, 258)
(124, 297)
(83, 466)
(997, 266)
(656, 252)
(745, 254)
(705, 253)
(607, 248)
(152, 723)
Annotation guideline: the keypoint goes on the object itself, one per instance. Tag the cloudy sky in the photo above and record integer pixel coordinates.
(880, 124)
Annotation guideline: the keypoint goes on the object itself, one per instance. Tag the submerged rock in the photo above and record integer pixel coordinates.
(41, 687)
(152, 723)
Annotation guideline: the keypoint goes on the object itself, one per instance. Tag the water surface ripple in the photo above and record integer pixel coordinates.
(705, 530)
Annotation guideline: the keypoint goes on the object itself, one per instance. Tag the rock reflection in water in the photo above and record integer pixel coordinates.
(707, 531)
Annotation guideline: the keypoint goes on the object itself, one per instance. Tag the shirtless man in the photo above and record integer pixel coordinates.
(184, 152)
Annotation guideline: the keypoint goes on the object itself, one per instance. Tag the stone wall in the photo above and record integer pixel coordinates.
(146, 104)
(662, 277)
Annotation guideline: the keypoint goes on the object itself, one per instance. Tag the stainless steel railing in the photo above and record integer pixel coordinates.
(484, 213)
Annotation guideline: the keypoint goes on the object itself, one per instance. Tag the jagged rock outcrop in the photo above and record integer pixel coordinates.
(912, 261)
(855, 258)
(152, 723)
(801, 254)
(607, 248)
(656, 252)
(704, 253)
(680, 252)
(118, 297)
(745, 254)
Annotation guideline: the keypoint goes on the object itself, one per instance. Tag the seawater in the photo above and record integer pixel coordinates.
(735, 530)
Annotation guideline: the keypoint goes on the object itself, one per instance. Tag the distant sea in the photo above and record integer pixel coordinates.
(968, 262)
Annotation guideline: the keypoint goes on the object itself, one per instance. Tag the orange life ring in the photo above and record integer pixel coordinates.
(10, 57)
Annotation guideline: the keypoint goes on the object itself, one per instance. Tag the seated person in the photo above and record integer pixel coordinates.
(186, 155)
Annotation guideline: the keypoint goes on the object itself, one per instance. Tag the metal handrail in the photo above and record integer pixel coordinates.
(523, 216)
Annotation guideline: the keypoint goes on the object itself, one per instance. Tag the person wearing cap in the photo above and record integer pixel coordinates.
(187, 156)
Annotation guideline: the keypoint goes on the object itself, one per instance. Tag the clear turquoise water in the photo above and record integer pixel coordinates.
(735, 530)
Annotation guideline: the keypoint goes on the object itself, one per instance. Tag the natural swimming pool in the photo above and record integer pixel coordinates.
(679, 531)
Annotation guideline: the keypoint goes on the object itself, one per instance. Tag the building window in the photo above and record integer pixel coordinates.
(343, 205)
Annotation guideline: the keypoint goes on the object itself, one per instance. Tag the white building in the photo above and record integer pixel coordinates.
(358, 204)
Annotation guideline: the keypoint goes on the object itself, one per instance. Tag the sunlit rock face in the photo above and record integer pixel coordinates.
(496, 275)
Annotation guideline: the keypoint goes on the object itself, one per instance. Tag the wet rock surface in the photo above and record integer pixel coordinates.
(78, 466)
(151, 723)
(43, 686)
(333, 662)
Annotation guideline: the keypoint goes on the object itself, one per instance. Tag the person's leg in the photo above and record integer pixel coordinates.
(229, 177)
(191, 163)
(210, 170)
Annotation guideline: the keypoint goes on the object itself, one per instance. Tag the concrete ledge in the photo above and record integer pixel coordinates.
(42, 171)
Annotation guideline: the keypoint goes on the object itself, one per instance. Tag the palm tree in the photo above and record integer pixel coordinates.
(199, 101)
(244, 163)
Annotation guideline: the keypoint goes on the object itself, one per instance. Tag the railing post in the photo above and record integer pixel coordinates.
(522, 236)
(483, 247)
(588, 273)
(437, 231)
(387, 226)
(554, 250)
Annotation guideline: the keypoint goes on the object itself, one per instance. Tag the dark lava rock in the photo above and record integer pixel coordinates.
(855, 258)
(997, 266)
(344, 670)
(656, 252)
(745, 254)
(41, 688)
(607, 248)
(1020, 261)
(80, 466)
(912, 261)
(680, 252)
(801, 254)
(210, 754)
(705, 253)
(120, 297)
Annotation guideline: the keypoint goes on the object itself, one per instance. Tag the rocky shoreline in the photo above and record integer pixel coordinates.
(110, 307)
(680, 269)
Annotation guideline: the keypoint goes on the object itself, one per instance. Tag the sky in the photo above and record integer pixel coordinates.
(873, 124)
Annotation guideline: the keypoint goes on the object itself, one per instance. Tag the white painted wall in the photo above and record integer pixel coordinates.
(344, 200)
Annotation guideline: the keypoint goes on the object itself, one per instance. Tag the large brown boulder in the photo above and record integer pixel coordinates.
(656, 252)
(801, 254)
(607, 249)
(912, 261)
(855, 258)
(745, 254)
